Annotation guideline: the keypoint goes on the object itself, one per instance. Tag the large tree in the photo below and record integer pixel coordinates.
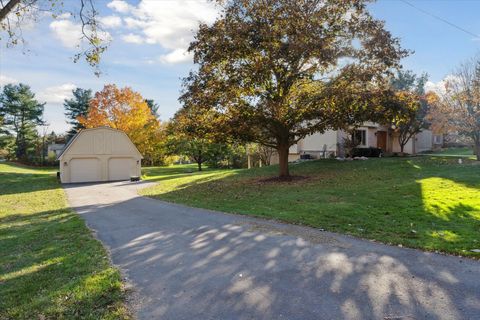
(126, 110)
(191, 133)
(21, 113)
(282, 69)
(409, 105)
(15, 14)
(462, 101)
(77, 107)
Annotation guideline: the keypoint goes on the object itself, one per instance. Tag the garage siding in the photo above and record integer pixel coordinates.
(99, 154)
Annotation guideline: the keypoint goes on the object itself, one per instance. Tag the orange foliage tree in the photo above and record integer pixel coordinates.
(439, 114)
(126, 110)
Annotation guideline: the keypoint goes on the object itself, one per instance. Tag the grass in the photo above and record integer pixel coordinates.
(454, 152)
(431, 203)
(50, 265)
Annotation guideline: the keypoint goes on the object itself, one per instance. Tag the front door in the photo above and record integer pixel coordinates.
(382, 140)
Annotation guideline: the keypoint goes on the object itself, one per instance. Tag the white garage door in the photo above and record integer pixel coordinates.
(120, 168)
(84, 170)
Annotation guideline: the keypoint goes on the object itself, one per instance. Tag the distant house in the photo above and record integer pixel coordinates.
(55, 149)
(438, 141)
(330, 143)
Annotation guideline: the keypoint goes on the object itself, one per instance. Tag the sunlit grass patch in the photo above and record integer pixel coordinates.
(442, 197)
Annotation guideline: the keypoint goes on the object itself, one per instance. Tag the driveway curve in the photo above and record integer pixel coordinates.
(187, 263)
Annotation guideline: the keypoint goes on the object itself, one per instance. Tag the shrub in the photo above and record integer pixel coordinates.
(367, 152)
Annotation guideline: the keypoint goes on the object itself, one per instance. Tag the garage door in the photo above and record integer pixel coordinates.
(120, 168)
(84, 170)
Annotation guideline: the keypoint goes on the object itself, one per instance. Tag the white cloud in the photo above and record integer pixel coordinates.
(133, 38)
(440, 86)
(56, 94)
(133, 23)
(176, 56)
(120, 6)
(68, 32)
(65, 15)
(6, 80)
(110, 21)
(169, 23)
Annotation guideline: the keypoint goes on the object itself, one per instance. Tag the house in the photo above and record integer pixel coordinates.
(55, 149)
(330, 143)
(99, 154)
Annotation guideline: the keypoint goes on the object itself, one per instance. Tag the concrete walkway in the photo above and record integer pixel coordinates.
(190, 263)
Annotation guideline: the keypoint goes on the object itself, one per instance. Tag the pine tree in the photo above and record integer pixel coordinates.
(77, 107)
(153, 107)
(21, 112)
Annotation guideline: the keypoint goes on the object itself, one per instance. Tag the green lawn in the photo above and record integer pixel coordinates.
(50, 265)
(430, 203)
(454, 152)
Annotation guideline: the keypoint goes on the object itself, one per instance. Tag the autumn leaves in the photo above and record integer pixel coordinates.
(126, 110)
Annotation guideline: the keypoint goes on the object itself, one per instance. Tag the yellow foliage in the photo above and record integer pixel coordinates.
(126, 110)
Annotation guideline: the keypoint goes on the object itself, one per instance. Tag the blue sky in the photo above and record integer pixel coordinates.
(149, 38)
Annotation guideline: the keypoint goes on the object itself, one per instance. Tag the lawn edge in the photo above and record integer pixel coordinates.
(129, 290)
(354, 236)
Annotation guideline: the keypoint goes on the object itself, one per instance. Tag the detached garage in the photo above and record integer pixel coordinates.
(99, 154)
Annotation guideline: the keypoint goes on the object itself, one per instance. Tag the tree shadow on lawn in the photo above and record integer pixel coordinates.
(170, 174)
(396, 208)
(51, 267)
(191, 263)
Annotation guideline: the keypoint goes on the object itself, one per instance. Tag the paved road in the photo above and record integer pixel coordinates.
(189, 263)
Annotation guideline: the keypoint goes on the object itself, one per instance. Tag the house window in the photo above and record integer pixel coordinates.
(359, 137)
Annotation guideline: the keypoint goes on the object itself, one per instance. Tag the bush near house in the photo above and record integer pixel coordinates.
(431, 203)
(367, 152)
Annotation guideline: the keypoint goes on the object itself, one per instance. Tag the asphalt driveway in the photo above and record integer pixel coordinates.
(187, 263)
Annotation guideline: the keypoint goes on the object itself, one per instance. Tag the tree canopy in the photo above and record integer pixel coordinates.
(21, 113)
(192, 133)
(77, 107)
(461, 102)
(408, 106)
(278, 70)
(126, 110)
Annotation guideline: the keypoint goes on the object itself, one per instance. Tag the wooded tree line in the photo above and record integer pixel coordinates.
(21, 117)
(272, 72)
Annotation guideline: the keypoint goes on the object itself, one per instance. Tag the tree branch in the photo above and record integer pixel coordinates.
(8, 8)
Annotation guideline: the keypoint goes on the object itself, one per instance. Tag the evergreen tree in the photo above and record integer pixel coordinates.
(21, 113)
(153, 106)
(77, 107)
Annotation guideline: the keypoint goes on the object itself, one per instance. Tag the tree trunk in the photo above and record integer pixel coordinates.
(199, 159)
(8, 8)
(402, 146)
(477, 149)
(283, 161)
